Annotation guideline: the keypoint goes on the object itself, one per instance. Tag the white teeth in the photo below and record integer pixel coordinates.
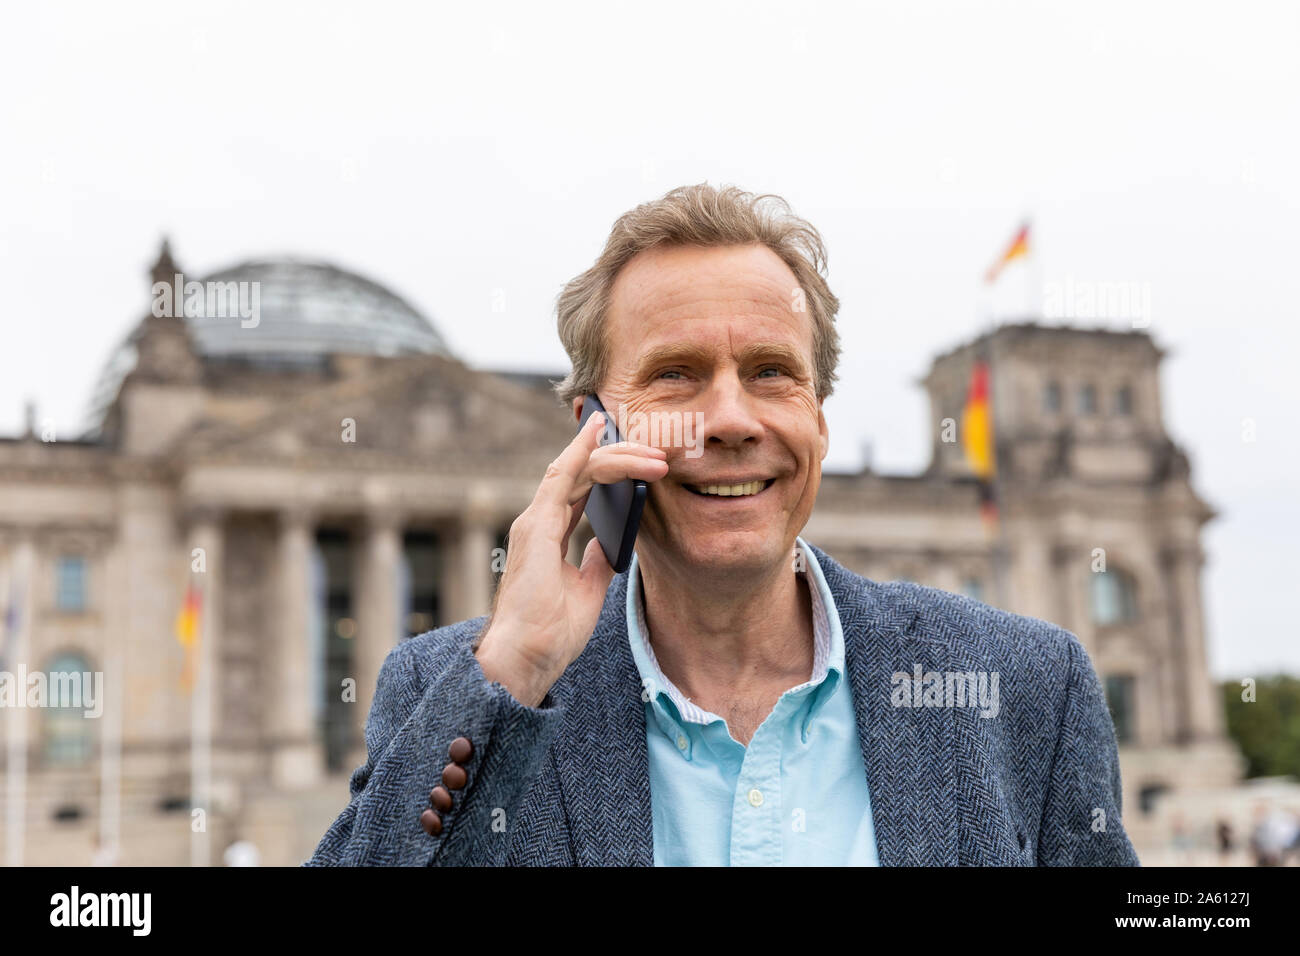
(733, 491)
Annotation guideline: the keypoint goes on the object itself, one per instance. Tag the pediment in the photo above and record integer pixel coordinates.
(413, 411)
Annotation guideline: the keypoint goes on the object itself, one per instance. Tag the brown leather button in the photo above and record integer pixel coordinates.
(431, 822)
(440, 799)
(461, 750)
(454, 776)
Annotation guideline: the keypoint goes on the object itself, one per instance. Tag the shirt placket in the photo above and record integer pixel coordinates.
(756, 835)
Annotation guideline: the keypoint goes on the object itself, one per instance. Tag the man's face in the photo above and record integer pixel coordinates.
(714, 331)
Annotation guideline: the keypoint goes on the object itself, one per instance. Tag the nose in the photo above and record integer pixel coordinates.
(729, 415)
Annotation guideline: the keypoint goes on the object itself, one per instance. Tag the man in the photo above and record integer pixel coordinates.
(736, 696)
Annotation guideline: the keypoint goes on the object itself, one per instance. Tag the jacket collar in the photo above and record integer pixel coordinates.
(910, 754)
(603, 763)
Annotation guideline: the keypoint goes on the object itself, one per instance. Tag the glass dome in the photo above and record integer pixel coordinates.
(313, 308)
(307, 310)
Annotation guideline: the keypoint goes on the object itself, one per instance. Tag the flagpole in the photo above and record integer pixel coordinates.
(1029, 287)
(992, 485)
(110, 763)
(1000, 545)
(201, 738)
(1036, 281)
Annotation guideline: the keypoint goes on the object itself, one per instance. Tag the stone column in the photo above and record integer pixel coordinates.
(1070, 564)
(296, 750)
(1200, 710)
(941, 572)
(469, 568)
(379, 619)
(205, 540)
(22, 595)
(1031, 584)
(116, 611)
(1166, 665)
(1146, 689)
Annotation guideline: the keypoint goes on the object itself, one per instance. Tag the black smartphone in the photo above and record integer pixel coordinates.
(613, 510)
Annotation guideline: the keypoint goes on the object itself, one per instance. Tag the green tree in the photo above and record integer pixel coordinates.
(1266, 729)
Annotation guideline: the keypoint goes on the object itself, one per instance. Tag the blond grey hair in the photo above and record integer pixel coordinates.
(700, 215)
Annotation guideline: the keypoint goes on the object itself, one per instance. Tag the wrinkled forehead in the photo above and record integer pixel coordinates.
(675, 293)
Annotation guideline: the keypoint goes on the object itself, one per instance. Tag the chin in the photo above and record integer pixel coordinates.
(731, 550)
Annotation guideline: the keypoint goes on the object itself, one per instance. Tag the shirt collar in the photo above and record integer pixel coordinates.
(672, 710)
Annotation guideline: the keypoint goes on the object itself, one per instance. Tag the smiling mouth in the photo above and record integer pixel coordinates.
(744, 489)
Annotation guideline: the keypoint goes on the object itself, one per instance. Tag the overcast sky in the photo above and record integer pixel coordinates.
(448, 152)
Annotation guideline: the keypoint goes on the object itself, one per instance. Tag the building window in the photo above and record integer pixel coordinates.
(338, 626)
(1087, 399)
(1148, 796)
(70, 583)
(1114, 597)
(1052, 397)
(1119, 698)
(67, 731)
(421, 576)
(1124, 400)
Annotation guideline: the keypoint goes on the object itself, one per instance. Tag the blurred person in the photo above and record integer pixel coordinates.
(1223, 840)
(736, 696)
(1293, 847)
(104, 854)
(242, 853)
(1273, 835)
(1183, 840)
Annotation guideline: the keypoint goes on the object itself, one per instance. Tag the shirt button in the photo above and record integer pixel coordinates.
(756, 798)
(681, 742)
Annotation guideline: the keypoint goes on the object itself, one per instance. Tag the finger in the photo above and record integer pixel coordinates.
(627, 448)
(556, 487)
(632, 448)
(609, 469)
(608, 476)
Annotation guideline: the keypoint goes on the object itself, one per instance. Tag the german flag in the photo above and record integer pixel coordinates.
(188, 631)
(977, 439)
(1018, 249)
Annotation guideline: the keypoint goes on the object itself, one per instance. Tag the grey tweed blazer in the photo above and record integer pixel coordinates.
(567, 783)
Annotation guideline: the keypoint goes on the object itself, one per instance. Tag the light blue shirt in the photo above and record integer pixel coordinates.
(796, 796)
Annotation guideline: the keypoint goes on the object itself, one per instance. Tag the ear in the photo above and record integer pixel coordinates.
(822, 429)
(577, 409)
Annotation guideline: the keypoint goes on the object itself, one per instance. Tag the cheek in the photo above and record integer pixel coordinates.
(811, 447)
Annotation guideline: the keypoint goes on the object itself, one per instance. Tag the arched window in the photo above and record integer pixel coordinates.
(1113, 597)
(67, 733)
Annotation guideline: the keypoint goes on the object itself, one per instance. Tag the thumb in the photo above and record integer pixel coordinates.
(595, 570)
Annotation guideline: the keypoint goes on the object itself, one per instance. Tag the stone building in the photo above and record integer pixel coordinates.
(332, 480)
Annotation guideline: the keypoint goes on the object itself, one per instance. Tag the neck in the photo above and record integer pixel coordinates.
(716, 641)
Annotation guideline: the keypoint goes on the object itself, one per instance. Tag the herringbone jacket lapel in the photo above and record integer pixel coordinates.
(909, 753)
(601, 755)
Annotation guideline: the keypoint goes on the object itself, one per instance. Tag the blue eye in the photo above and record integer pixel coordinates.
(776, 370)
(671, 372)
